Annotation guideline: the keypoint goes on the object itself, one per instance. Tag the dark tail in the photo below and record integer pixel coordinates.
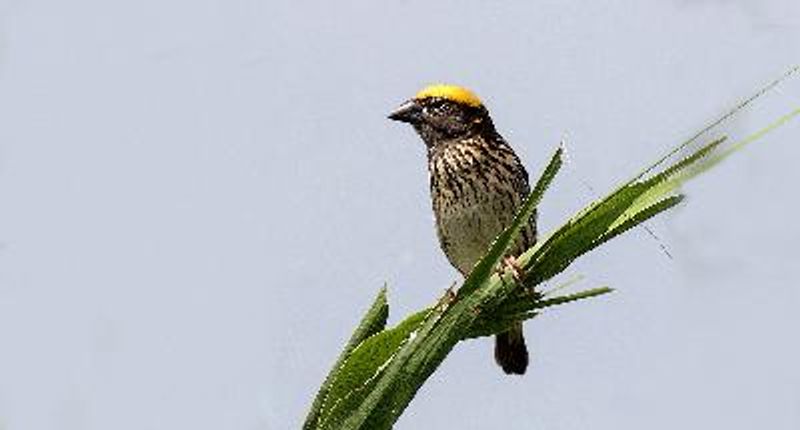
(510, 351)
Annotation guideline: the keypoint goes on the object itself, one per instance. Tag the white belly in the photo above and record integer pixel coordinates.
(467, 232)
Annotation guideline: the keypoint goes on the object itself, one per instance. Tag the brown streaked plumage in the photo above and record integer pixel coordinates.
(477, 184)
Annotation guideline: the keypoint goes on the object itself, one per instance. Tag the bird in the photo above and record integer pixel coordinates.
(477, 184)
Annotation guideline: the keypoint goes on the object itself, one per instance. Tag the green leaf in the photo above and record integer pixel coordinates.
(577, 236)
(524, 307)
(632, 220)
(362, 368)
(568, 298)
(628, 206)
(372, 322)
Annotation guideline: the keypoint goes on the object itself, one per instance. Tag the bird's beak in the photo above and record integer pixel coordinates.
(409, 112)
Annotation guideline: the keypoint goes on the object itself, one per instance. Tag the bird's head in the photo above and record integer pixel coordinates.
(442, 112)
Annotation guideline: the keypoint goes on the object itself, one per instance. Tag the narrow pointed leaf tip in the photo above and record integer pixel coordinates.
(363, 368)
(373, 322)
(728, 115)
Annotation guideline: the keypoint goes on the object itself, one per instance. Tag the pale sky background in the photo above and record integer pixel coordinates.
(198, 200)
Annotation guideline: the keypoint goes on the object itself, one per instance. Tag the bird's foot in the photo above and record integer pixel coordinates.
(510, 264)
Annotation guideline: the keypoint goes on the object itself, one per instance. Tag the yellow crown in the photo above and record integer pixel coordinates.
(449, 92)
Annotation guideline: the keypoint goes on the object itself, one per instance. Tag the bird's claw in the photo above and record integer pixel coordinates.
(510, 264)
